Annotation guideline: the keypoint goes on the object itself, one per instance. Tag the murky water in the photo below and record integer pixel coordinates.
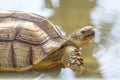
(101, 57)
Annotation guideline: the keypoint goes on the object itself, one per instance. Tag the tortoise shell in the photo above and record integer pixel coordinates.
(26, 39)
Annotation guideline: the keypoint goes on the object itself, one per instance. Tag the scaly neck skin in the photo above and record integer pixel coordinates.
(69, 43)
(76, 43)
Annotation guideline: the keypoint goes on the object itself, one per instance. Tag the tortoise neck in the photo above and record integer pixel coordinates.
(69, 42)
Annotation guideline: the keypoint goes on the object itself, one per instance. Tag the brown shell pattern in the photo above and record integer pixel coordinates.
(25, 39)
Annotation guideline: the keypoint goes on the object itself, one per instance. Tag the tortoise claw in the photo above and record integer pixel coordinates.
(72, 59)
(75, 59)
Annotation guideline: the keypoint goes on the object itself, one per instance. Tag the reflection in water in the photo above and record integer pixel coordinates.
(43, 76)
(106, 19)
(55, 3)
(34, 6)
(67, 74)
(73, 14)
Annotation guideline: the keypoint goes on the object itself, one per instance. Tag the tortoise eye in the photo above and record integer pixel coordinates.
(82, 31)
(75, 50)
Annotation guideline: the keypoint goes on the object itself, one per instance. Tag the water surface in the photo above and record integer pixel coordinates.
(101, 57)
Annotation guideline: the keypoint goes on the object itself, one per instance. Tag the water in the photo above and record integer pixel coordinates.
(65, 73)
(101, 57)
(34, 6)
(106, 19)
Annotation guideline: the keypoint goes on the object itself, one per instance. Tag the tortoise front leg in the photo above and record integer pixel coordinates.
(72, 59)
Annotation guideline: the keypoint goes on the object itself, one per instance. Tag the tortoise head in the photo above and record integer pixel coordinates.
(83, 35)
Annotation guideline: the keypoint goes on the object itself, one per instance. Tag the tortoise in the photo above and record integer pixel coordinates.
(31, 42)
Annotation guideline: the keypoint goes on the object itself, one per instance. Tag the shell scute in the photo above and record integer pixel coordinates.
(26, 39)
